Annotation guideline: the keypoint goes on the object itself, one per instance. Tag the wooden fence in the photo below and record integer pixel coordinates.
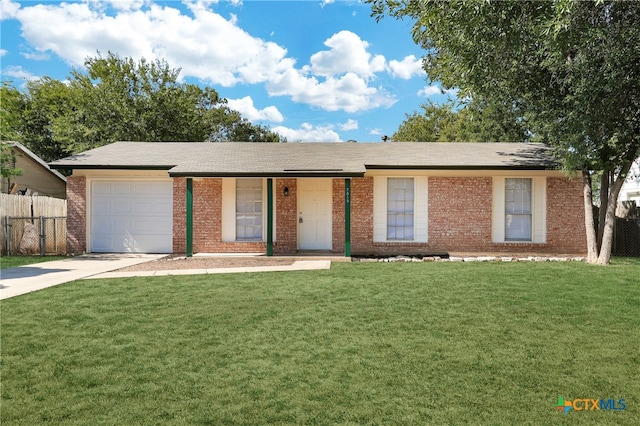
(30, 210)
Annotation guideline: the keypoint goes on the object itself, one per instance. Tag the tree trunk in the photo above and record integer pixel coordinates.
(604, 257)
(604, 201)
(590, 226)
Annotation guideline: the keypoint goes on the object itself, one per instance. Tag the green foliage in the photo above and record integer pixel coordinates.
(7, 161)
(475, 121)
(120, 99)
(11, 107)
(362, 343)
(570, 67)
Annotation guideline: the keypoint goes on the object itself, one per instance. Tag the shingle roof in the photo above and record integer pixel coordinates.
(306, 159)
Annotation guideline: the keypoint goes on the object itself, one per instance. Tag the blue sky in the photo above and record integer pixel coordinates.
(311, 70)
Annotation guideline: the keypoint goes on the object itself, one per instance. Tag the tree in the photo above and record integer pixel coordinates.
(475, 121)
(7, 162)
(571, 67)
(10, 105)
(119, 99)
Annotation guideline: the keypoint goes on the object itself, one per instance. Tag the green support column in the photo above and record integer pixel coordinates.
(189, 235)
(269, 217)
(347, 217)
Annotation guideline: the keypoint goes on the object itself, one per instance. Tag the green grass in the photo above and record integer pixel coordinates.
(13, 261)
(432, 343)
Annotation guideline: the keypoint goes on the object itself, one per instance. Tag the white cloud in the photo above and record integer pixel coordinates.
(308, 133)
(227, 55)
(348, 54)
(375, 131)
(18, 73)
(407, 68)
(348, 93)
(429, 91)
(3, 52)
(211, 48)
(245, 107)
(117, 4)
(8, 9)
(351, 124)
(36, 56)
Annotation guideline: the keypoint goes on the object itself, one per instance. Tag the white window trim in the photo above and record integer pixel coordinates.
(420, 209)
(538, 210)
(229, 211)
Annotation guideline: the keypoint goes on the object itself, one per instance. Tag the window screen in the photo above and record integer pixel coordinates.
(249, 209)
(518, 209)
(400, 202)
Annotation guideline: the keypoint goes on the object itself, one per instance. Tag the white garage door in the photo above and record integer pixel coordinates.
(131, 217)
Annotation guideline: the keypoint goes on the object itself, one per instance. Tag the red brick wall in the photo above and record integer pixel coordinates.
(460, 219)
(207, 215)
(362, 215)
(179, 215)
(565, 215)
(76, 214)
(337, 225)
(286, 217)
(459, 213)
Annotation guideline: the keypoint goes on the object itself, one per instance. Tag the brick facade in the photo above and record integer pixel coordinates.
(459, 218)
(565, 215)
(76, 215)
(337, 224)
(460, 213)
(286, 216)
(179, 215)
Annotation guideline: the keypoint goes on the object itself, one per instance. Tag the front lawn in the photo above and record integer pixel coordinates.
(368, 343)
(13, 261)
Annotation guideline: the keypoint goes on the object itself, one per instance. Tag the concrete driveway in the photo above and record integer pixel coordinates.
(28, 278)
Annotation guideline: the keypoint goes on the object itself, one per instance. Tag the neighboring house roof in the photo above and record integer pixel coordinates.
(26, 151)
(36, 173)
(216, 159)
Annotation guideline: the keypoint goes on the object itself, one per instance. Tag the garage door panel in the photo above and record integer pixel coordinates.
(101, 243)
(150, 226)
(132, 216)
(122, 207)
(101, 225)
(153, 208)
(102, 205)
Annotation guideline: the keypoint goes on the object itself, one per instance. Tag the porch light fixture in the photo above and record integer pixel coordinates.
(285, 191)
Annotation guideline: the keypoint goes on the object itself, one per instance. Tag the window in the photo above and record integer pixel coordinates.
(518, 209)
(249, 209)
(400, 202)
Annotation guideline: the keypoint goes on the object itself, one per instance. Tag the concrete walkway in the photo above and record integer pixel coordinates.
(28, 278)
(300, 265)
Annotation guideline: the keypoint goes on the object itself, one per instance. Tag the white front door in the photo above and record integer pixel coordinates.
(314, 214)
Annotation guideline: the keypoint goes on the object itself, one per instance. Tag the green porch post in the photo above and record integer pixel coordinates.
(347, 217)
(269, 217)
(189, 236)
